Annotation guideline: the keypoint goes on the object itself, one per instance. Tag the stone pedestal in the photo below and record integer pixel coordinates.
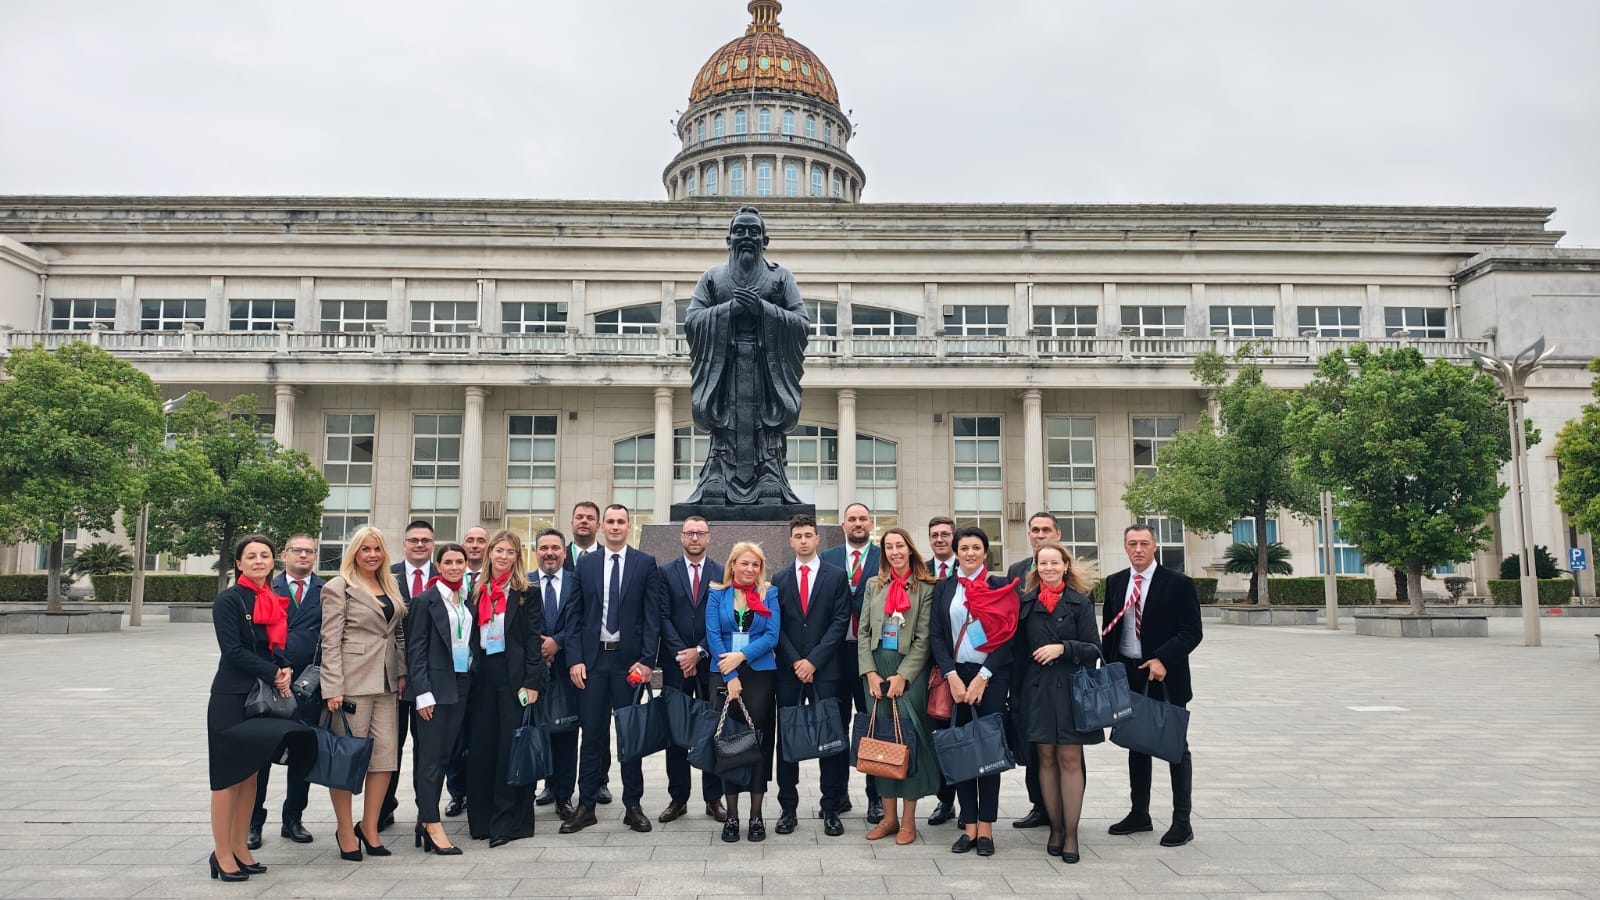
(765, 512)
(1422, 626)
(660, 539)
(1270, 615)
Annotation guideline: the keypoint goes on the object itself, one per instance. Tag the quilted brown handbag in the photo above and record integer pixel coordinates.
(884, 759)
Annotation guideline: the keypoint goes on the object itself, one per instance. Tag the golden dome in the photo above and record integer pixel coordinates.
(764, 59)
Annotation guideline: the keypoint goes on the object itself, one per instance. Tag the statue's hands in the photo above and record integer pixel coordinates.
(747, 301)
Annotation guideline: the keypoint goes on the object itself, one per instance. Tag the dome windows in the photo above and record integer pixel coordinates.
(791, 180)
(736, 179)
(711, 181)
(716, 126)
(763, 179)
(811, 127)
(764, 120)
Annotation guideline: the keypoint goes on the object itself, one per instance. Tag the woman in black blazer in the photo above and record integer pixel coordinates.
(510, 673)
(252, 626)
(439, 633)
(974, 619)
(1059, 634)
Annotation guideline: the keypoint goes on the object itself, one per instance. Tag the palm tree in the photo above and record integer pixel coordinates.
(1240, 559)
(100, 558)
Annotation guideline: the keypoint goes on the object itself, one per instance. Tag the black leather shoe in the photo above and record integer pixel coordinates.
(942, 813)
(499, 841)
(845, 806)
(1132, 823)
(984, 846)
(1179, 834)
(635, 818)
(296, 832)
(581, 818)
(786, 822)
(457, 806)
(1070, 859)
(254, 868)
(371, 848)
(730, 831)
(716, 810)
(1035, 818)
(347, 855)
(545, 798)
(253, 839)
(230, 877)
(603, 795)
(831, 826)
(758, 830)
(564, 809)
(874, 812)
(963, 844)
(673, 812)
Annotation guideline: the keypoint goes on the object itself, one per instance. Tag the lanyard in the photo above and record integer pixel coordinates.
(461, 616)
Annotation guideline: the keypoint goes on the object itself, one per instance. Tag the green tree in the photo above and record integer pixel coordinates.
(1232, 468)
(1578, 454)
(1411, 452)
(101, 558)
(1241, 557)
(79, 424)
(223, 478)
(1544, 564)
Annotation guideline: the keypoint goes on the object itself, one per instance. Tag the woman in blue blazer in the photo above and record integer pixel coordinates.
(742, 627)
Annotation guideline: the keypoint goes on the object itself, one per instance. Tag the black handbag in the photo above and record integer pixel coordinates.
(975, 749)
(308, 687)
(341, 759)
(642, 727)
(264, 700)
(531, 759)
(1156, 728)
(557, 706)
(1101, 697)
(811, 730)
(680, 711)
(736, 749)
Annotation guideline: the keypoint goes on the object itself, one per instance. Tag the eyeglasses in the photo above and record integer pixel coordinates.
(695, 534)
(419, 541)
(300, 551)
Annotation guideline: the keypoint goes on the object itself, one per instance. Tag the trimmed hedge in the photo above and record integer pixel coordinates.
(29, 588)
(157, 588)
(1205, 587)
(1283, 591)
(1552, 591)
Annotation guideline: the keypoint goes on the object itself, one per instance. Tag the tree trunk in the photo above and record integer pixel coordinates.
(1258, 584)
(1401, 595)
(53, 567)
(225, 558)
(1414, 586)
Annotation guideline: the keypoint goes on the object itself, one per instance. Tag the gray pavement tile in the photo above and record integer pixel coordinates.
(1296, 883)
(348, 887)
(590, 886)
(782, 885)
(1527, 881)
(454, 887)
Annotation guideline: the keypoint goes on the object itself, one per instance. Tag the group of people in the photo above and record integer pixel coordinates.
(454, 641)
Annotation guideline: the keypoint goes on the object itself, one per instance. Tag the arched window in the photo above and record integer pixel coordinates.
(711, 181)
(816, 181)
(811, 127)
(838, 186)
(633, 477)
(791, 180)
(763, 179)
(692, 184)
(736, 179)
(764, 120)
(827, 131)
(788, 121)
(700, 129)
(716, 126)
(741, 123)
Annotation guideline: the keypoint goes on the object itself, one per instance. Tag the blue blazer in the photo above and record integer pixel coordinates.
(683, 619)
(761, 652)
(638, 618)
(840, 556)
(305, 623)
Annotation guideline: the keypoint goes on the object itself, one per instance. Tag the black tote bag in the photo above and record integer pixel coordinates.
(557, 707)
(702, 731)
(977, 748)
(341, 760)
(811, 730)
(1157, 728)
(530, 752)
(680, 711)
(1101, 697)
(642, 727)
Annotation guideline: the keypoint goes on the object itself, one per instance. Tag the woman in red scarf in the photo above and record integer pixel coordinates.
(1059, 634)
(892, 648)
(439, 633)
(252, 626)
(742, 628)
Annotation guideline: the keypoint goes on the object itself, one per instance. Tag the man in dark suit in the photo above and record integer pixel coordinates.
(1152, 617)
(413, 575)
(1042, 527)
(557, 588)
(614, 635)
(942, 564)
(304, 589)
(684, 659)
(859, 557)
(585, 531)
(816, 596)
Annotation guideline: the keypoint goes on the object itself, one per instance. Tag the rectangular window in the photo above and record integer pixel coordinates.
(978, 488)
(436, 471)
(530, 474)
(532, 318)
(78, 315)
(764, 120)
(690, 447)
(717, 126)
(1244, 531)
(354, 315)
(740, 122)
(629, 320)
(824, 318)
(827, 132)
(1169, 541)
(349, 440)
(811, 127)
(1070, 481)
(1150, 434)
(444, 317)
(259, 315)
(868, 321)
(1330, 321)
(1153, 321)
(878, 480)
(700, 130)
(816, 181)
(1065, 321)
(813, 455)
(736, 179)
(1346, 556)
(69, 549)
(764, 179)
(788, 121)
(1416, 321)
(171, 315)
(633, 463)
(977, 321)
(1242, 321)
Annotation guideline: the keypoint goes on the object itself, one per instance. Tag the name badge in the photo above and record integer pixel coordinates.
(891, 635)
(461, 655)
(741, 640)
(494, 637)
(975, 636)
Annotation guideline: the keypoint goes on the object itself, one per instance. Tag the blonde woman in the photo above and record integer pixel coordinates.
(364, 670)
(742, 627)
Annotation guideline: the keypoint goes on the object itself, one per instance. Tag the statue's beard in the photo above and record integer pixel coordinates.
(745, 255)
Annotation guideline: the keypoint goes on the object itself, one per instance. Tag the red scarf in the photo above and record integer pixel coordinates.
(1049, 598)
(270, 611)
(454, 586)
(897, 600)
(752, 600)
(994, 608)
(492, 599)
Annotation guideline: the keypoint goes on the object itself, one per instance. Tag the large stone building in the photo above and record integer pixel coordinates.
(497, 361)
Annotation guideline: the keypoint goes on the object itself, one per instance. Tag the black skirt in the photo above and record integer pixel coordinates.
(238, 747)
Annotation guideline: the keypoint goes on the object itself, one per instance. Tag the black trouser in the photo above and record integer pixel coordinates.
(434, 742)
(455, 771)
(297, 791)
(980, 797)
(1139, 765)
(835, 770)
(402, 721)
(606, 689)
(852, 694)
(495, 808)
(678, 777)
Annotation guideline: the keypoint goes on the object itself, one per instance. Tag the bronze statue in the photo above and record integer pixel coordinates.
(747, 330)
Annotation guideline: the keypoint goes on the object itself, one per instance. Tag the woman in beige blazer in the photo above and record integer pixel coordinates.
(364, 667)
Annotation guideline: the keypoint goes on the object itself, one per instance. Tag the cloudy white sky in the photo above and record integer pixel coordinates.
(1332, 101)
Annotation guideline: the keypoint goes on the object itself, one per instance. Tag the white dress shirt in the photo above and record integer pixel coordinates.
(1132, 646)
(460, 628)
(605, 589)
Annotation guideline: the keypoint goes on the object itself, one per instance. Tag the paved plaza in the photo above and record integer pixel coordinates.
(1326, 764)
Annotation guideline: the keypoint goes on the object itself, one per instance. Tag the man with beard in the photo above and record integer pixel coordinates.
(859, 557)
(585, 533)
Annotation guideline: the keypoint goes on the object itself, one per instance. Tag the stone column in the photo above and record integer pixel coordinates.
(662, 472)
(847, 447)
(1033, 450)
(283, 419)
(471, 459)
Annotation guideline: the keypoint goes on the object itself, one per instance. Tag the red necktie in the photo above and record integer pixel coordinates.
(1138, 611)
(299, 592)
(944, 569)
(694, 588)
(416, 583)
(855, 568)
(805, 589)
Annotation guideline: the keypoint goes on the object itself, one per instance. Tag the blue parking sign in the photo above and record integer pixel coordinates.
(1576, 559)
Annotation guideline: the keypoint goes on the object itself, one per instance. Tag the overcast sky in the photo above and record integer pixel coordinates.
(1342, 101)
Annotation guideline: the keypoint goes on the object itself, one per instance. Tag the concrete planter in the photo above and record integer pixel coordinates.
(1270, 615)
(1408, 626)
(190, 612)
(76, 621)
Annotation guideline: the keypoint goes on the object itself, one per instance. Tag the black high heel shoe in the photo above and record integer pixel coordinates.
(1053, 845)
(254, 868)
(426, 842)
(371, 848)
(348, 855)
(230, 877)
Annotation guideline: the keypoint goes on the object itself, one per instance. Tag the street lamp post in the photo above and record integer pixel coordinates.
(1513, 374)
